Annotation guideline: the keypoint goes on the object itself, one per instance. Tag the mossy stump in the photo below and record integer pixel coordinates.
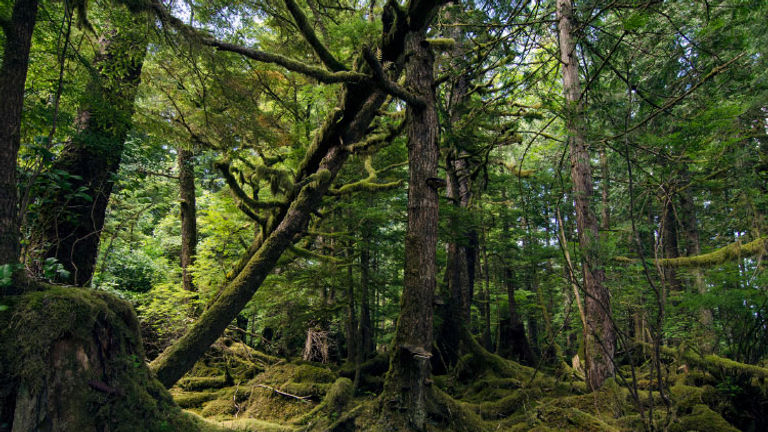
(72, 360)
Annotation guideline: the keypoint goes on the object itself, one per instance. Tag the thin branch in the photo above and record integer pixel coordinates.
(309, 34)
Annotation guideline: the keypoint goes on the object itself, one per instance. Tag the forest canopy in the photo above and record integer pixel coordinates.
(334, 215)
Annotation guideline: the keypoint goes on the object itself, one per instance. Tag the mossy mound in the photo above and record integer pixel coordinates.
(282, 392)
(71, 359)
(231, 360)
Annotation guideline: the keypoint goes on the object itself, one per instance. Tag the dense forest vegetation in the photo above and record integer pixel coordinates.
(334, 215)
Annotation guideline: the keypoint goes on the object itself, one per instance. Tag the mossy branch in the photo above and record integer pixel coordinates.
(388, 85)
(366, 184)
(309, 34)
(517, 170)
(240, 194)
(306, 253)
(442, 44)
(713, 362)
(725, 254)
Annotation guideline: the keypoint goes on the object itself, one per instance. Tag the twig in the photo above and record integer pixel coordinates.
(301, 398)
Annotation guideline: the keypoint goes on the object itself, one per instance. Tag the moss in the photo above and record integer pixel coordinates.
(218, 408)
(203, 383)
(507, 405)
(82, 349)
(701, 419)
(265, 404)
(193, 399)
(253, 425)
(337, 397)
(572, 419)
(310, 389)
(307, 373)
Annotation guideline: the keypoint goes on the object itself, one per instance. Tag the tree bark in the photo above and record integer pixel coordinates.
(407, 382)
(187, 205)
(18, 41)
(601, 336)
(69, 228)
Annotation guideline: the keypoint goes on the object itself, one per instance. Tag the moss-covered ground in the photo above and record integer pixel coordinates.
(484, 393)
(100, 380)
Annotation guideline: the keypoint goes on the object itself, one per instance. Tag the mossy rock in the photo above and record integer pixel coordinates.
(334, 402)
(72, 359)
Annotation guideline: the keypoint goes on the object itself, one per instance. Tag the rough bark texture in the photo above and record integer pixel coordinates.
(601, 337)
(407, 384)
(186, 163)
(69, 228)
(13, 75)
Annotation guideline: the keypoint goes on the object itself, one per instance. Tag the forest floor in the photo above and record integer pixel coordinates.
(238, 388)
(73, 358)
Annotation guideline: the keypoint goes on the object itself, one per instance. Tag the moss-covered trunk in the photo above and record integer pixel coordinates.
(69, 227)
(13, 72)
(72, 360)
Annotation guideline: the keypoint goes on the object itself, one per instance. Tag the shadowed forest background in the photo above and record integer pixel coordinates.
(334, 215)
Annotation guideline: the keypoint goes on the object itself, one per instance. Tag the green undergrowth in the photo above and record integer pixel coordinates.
(484, 392)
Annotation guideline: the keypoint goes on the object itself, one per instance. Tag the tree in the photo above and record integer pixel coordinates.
(407, 384)
(600, 345)
(17, 30)
(69, 226)
(331, 146)
(187, 209)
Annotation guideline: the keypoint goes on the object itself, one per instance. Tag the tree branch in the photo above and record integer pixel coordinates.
(315, 72)
(309, 34)
(388, 85)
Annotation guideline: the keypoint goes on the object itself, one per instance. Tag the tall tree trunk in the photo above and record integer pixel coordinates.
(367, 346)
(514, 342)
(353, 339)
(669, 242)
(69, 228)
(693, 247)
(605, 187)
(13, 74)
(186, 164)
(461, 251)
(601, 337)
(407, 382)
